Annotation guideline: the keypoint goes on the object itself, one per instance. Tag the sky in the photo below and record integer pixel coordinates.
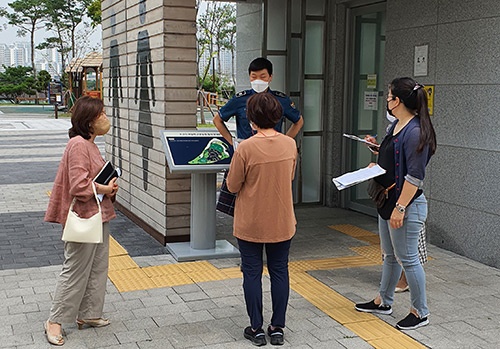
(9, 35)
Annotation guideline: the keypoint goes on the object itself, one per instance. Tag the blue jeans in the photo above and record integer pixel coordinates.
(252, 265)
(402, 245)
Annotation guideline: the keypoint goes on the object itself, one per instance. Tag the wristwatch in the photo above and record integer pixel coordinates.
(400, 208)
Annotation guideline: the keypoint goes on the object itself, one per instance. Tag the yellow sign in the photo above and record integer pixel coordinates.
(430, 98)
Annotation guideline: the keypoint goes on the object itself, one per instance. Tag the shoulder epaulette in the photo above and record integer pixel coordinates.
(241, 93)
(279, 94)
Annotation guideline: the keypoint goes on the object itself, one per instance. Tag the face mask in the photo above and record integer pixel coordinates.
(259, 85)
(390, 117)
(389, 111)
(101, 126)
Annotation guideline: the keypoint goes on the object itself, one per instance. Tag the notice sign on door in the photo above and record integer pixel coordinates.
(196, 151)
(371, 100)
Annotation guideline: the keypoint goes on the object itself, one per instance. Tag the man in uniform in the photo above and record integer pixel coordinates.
(260, 71)
(261, 74)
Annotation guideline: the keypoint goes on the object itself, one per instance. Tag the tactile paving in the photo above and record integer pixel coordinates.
(371, 252)
(232, 273)
(171, 280)
(160, 270)
(121, 263)
(351, 230)
(374, 329)
(131, 280)
(115, 249)
(396, 342)
(127, 276)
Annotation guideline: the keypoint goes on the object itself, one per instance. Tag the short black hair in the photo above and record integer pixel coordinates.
(264, 110)
(259, 64)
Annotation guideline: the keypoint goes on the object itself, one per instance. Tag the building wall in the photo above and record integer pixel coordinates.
(149, 60)
(248, 39)
(462, 181)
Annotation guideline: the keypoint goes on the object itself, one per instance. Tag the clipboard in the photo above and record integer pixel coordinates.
(356, 138)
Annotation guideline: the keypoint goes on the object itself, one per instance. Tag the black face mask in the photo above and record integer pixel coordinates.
(389, 110)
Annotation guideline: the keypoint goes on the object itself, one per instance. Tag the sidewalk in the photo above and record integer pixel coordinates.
(155, 302)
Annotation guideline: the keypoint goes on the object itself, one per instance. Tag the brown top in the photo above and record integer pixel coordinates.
(261, 172)
(80, 163)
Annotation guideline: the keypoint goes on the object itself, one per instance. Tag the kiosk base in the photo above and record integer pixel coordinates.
(182, 251)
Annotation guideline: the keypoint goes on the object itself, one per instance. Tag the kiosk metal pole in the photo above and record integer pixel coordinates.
(203, 210)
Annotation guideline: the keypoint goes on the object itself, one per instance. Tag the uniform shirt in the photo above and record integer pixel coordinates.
(264, 206)
(80, 163)
(237, 106)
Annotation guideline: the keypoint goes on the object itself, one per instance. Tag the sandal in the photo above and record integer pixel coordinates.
(56, 340)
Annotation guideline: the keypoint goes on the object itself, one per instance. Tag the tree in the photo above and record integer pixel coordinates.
(64, 16)
(94, 12)
(17, 81)
(42, 81)
(215, 26)
(27, 17)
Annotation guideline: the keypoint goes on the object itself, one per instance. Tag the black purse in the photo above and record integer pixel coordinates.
(378, 193)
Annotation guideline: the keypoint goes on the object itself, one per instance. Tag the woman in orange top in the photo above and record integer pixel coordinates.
(82, 283)
(261, 172)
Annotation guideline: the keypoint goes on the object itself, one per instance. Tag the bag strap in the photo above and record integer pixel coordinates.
(96, 198)
(386, 191)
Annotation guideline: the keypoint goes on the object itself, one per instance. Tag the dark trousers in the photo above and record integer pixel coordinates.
(277, 264)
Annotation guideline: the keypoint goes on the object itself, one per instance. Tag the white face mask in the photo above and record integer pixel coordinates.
(390, 117)
(259, 85)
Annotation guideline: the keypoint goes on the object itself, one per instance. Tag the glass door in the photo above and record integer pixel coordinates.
(366, 103)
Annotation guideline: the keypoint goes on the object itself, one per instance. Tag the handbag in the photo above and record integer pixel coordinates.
(227, 200)
(378, 193)
(83, 230)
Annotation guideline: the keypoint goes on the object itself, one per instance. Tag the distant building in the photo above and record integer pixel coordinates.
(4, 56)
(20, 54)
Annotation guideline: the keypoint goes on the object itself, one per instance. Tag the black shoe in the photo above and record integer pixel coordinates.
(371, 307)
(276, 335)
(258, 338)
(412, 322)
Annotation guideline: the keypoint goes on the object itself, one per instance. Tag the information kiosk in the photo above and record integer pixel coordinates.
(202, 154)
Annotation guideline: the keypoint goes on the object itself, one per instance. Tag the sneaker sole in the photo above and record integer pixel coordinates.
(375, 311)
(421, 324)
(252, 339)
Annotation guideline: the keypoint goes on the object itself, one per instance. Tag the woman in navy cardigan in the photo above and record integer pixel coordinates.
(404, 152)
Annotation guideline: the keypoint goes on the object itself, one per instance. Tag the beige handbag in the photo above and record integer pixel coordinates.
(83, 230)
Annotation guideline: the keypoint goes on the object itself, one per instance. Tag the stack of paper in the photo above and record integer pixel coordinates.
(352, 178)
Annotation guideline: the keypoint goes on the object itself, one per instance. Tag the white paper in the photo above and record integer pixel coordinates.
(371, 100)
(352, 178)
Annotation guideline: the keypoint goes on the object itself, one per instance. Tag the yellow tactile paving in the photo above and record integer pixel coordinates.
(128, 276)
(131, 280)
(207, 275)
(171, 280)
(297, 266)
(396, 342)
(373, 240)
(373, 329)
(351, 230)
(121, 263)
(115, 249)
(371, 252)
(169, 269)
(189, 267)
(346, 315)
(232, 273)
